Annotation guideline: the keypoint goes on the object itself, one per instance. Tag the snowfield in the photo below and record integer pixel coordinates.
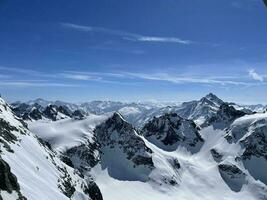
(198, 179)
(66, 133)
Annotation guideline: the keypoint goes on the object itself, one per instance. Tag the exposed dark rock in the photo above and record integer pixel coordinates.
(66, 184)
(233, 176)
(77, 114)
(93, 191)
(216, 155)
(172, 130)
(256, 143)
(86, 154)
(50, 112)
(35, 114)
(20, 109)
(224, 116)
(64, 110)
(66, 160)
(8, 181)
(117, 132)
(6, 131)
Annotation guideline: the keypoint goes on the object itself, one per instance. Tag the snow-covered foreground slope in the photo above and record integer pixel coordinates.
(29, 169)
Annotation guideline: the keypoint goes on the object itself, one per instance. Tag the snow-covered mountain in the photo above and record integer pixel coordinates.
(170, 131)
(30, 169)
(137, 113)
(205, 149)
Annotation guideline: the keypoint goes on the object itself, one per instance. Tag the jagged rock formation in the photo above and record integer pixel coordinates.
(233, 176)
(8, 181)
(84, 156)
(171, 131)
(78, 114)
(251, 133)
(119, 141)
(224, 116)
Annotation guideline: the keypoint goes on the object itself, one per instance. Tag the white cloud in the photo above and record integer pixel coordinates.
(254, 75)
(163, 39)
(81, 77)
(127, 35)
(185, 79)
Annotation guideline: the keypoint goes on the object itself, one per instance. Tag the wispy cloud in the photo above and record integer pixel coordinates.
(183, 79)
(73, 78)
(81, 77)
(127, 35)
(163, 39)
(254, 75)
(35, 84)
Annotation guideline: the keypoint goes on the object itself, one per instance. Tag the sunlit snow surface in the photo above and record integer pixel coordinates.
(198, 177)
(36, 171)
(66, 133)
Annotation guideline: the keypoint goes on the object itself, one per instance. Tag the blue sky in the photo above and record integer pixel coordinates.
(166, 50)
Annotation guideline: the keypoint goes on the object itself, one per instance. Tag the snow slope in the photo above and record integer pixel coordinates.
(214, 172)
(199, 177)
(66, 133)
(33, 169)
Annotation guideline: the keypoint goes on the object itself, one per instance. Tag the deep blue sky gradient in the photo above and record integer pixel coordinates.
(166, 50)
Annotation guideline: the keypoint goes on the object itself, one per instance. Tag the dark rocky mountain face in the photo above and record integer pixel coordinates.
(251, 134)
(234, 177)
(20, 109)
(119, 138)
(78, 114)
(8, 181)
(225, 115)
(51, 112)
(83, 157)
(35, 114)
(65, 110)
(171, 131)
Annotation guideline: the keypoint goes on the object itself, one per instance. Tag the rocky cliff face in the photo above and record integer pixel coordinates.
(119, 141)
(225, 115)
(251, 133)
(170, 131)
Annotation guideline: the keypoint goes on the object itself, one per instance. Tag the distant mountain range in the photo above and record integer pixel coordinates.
(136, 113)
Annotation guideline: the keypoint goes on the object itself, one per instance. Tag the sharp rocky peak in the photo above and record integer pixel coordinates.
(170, 131)
(118, 137)
(212, 98)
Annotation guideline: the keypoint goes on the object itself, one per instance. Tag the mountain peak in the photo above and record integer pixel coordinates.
(213, 98)
(117, 117)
